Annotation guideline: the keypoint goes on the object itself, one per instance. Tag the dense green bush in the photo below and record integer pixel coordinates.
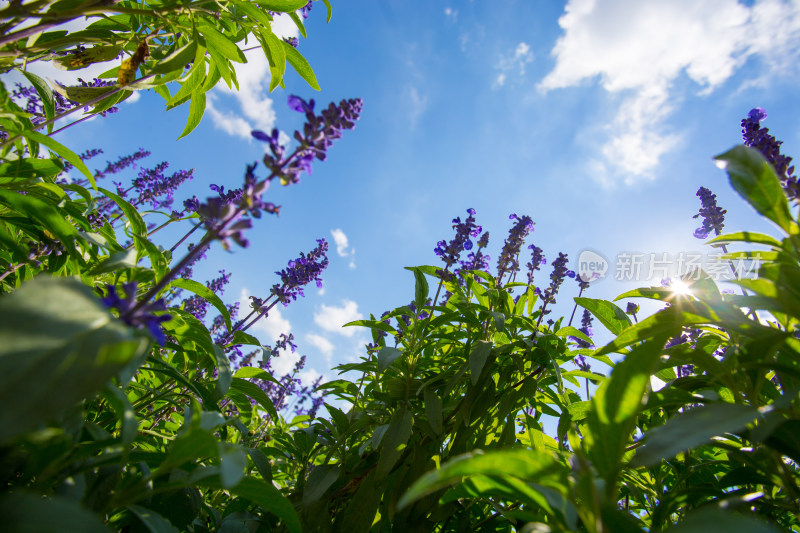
(123, 410)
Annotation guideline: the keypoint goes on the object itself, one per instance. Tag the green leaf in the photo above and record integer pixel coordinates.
(755, 180)
(746, 236)
(387, 356)
(119, 402)
(116, 261)
(693, 428)
(45, 214)
(205, 293)
(62, 151)
(255, 392)
(45, 95)
(29, 168)
(395, 439)
(300, 64)
(616, 403)
(27, 513)
(527, 465)
(56, 335)
(177, 60)
(85, 57)
(152, 520)
(477, 359)
(711, 519)
(277, 56)
(329, 8)
(219, 43)
(299, 24)
(667, 321)
(319, 481)
(433, 410)
(253, 372)
(283, 6)
(83, 95)
(196, 109)
(264, 495)
(611, 316)
(232, 464)
(421, 289)
(138, 225)
(224, 376)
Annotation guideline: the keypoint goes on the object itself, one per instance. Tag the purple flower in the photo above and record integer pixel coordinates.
(450, 252)
(122, 163)
(759, 138)
(142, 317)
(537, 260)
(508, 262)
(301, 106)
(300, 272)
(154, 187)
(318, 135)
(632, 309)
(197, 305)
(713, 215)
(556, 278)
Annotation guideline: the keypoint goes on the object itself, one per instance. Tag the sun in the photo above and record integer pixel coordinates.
(680, 288)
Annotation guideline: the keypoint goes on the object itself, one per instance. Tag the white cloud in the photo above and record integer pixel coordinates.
(451, 14)
(325, 346)
(638, 49)
(332, 318)
(271, 325)
(513, 63)
(340, 238)
(417, 104)
(284, 362)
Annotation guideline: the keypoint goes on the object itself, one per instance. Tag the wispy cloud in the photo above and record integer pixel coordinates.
(451, 14)
(638, 49)
(343, 248)
(332, 318)
(324, 346)
(513, 64)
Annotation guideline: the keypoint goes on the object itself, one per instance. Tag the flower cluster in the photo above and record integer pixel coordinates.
(450, 252)
(122, 163)
(560, 272)
(154, 187)
(713, 215)
(537, 260)
(318, 135)
(300, 272)
(759, 138)
(143, 316)
(508, 262)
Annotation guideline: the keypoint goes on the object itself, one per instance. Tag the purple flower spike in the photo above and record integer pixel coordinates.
(713, 215)
(301, 272)
(759, 138)
(508, 261)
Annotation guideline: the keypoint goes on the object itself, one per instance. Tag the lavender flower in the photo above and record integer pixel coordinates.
(556, 278)
(713, 215)
(450, 252)
(121, 163)
(759, 138)
(300, 272)
(319, 132)
(154, 187)
(142, 317)
(632, 309)
(537, 260)
(223, 221)
(508, 262)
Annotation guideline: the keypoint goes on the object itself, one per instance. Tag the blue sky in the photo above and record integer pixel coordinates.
(597, 119)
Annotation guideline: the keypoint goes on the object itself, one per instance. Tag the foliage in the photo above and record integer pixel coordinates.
(126, 410)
